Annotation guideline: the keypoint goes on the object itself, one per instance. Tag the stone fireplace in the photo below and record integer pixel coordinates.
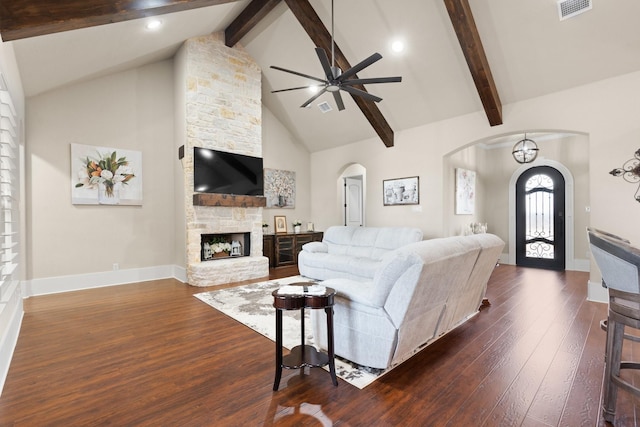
(220, 88)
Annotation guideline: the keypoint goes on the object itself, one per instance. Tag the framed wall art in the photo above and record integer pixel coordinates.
(280, 188)
(465, 191)
(280, 224)
(401, 191)
(105, 176)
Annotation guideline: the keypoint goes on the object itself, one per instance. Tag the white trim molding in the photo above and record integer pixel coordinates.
(8, 341)
(77, 282)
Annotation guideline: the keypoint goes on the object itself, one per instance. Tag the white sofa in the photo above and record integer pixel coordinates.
(352, 252)
(418, 293)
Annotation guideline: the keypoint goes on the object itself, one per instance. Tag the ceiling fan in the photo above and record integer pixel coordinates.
(336, 80)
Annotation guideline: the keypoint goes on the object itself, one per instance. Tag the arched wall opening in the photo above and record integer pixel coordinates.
(354, 171)
(495, 167)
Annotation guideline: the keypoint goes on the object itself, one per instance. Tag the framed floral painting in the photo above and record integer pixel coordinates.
(280, 188)
(465, 191)
(105, 176)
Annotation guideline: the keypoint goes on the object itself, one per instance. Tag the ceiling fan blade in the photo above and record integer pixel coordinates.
(360, 66)
(372, 80)
(291, 88)
(298, 74)
(324, 61)
(363, 94)
(338, 98)
(313, 98)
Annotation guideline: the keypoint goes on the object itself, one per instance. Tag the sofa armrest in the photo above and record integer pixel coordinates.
(320, 247)
(352, 290)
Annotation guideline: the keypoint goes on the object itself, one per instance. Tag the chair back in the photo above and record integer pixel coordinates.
(618, 261)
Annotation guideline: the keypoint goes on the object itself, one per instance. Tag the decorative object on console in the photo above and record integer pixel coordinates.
(280, 224)
(401, 191)
(477, 228)
(465, 191)
(296, 226)
(105, 176)
(265, 228)
(309, 226)
(525, 150)
(280, 188)
(630, 172)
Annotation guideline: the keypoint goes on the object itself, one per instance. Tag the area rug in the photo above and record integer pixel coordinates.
(252, 305)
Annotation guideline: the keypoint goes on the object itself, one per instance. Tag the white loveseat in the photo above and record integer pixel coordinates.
(352, 252)
(417, 293)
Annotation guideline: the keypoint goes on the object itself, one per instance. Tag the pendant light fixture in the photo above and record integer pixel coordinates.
(525, 150)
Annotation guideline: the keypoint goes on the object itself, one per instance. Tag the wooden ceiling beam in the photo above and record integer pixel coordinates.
(320, 36)
(248, 18)
(20, 19)
(469, 38)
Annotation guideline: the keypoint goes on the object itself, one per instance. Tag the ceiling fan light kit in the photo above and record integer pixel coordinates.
(336, 80)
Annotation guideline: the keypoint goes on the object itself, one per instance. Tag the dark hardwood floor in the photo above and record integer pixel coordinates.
(151, 354)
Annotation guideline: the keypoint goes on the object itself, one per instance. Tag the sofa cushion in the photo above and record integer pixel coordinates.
(342, 266)
(389, 239)
(368, 242)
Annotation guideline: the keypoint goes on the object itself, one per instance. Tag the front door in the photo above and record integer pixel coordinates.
(540, 214)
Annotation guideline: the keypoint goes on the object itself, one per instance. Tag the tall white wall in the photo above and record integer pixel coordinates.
(132, 110)
(282, 151)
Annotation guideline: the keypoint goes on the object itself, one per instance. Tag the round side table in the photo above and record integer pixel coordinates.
(303, 354)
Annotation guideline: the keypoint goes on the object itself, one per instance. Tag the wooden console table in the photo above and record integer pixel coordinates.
(283, 249)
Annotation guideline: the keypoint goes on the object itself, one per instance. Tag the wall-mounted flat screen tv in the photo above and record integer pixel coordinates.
(226, 173)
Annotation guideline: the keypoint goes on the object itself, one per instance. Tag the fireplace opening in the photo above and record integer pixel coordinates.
(225, 245)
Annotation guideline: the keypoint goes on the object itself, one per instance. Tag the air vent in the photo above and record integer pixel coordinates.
(325, 107)
(570, 8)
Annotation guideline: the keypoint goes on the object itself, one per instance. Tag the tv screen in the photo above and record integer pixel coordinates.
(226, 173)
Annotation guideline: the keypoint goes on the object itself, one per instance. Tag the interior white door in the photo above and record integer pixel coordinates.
(353, 201)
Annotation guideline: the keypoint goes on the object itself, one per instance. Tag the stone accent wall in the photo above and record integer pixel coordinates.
(221, 87)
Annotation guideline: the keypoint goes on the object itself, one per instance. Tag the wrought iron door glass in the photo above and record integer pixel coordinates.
(539, 203)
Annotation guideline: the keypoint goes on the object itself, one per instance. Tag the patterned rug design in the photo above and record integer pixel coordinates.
(252, 305)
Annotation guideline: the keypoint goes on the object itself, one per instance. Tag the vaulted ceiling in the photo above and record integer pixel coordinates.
(461, 56)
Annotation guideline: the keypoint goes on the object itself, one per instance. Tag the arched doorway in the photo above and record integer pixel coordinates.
(352, 184)
(540, 218)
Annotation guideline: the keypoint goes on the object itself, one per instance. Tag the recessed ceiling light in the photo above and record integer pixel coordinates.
(397, 46)
(314, 89)
(153, 24)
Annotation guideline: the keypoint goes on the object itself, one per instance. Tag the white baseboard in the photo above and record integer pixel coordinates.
(596, 293)
(77, 282)
(8, 343)
(581, 265)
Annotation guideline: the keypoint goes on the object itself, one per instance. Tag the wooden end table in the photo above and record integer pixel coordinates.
(304, 355)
